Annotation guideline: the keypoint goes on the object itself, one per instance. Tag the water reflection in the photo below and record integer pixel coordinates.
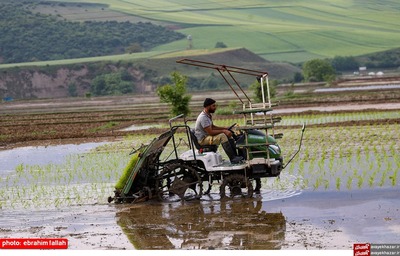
(239, 224)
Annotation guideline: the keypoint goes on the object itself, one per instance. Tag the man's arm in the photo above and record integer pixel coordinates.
(215, 130)
(214, 127)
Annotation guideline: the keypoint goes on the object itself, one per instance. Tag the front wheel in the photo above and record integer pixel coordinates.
(236, 185)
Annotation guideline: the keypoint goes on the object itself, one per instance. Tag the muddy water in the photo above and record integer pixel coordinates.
(87, 226)
(40, 155)
(238, 224)
(278, 218)
(325, 220)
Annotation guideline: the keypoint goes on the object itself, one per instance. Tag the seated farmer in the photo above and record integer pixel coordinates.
(209, 134)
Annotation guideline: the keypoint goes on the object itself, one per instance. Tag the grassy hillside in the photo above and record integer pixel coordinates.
(285, 30)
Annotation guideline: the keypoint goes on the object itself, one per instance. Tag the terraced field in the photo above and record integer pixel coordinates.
(36, 120)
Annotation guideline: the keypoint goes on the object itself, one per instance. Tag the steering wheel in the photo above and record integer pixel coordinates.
(230, 127)
(234, 136)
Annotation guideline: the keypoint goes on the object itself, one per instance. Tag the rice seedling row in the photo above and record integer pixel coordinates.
(334, 158)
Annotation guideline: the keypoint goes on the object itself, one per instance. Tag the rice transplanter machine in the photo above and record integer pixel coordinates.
(185, 175)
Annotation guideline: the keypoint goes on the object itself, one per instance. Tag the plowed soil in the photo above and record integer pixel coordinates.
(30, 122)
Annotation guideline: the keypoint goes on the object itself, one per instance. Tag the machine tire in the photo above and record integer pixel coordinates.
(234, 184)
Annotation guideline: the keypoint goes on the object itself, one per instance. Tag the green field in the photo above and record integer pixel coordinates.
(292, 31)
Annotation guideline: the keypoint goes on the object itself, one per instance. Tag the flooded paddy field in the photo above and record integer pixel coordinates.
(343, 188)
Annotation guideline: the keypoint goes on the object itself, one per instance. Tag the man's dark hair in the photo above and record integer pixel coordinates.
(208, 102)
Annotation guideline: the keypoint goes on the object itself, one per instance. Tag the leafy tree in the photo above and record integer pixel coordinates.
(174, 95)
(256, 87)
(318, 70)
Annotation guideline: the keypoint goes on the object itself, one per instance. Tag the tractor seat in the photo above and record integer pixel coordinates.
(202, 148)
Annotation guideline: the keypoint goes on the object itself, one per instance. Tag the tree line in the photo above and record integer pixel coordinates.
(27, 36)
(327, 69)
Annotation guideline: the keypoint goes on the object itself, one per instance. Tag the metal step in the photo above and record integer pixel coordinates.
(265, 121)
(253, 110)
(255, 127)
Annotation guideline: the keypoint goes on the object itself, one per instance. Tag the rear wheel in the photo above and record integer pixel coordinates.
(181, 180)
(236, 185)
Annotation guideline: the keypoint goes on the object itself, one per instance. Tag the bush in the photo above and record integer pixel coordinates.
(112, 84)
(344, 63)
(211, 83)
(220, 45)
(72, 90)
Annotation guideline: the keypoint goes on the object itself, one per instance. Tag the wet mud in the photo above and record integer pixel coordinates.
(322, 220)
